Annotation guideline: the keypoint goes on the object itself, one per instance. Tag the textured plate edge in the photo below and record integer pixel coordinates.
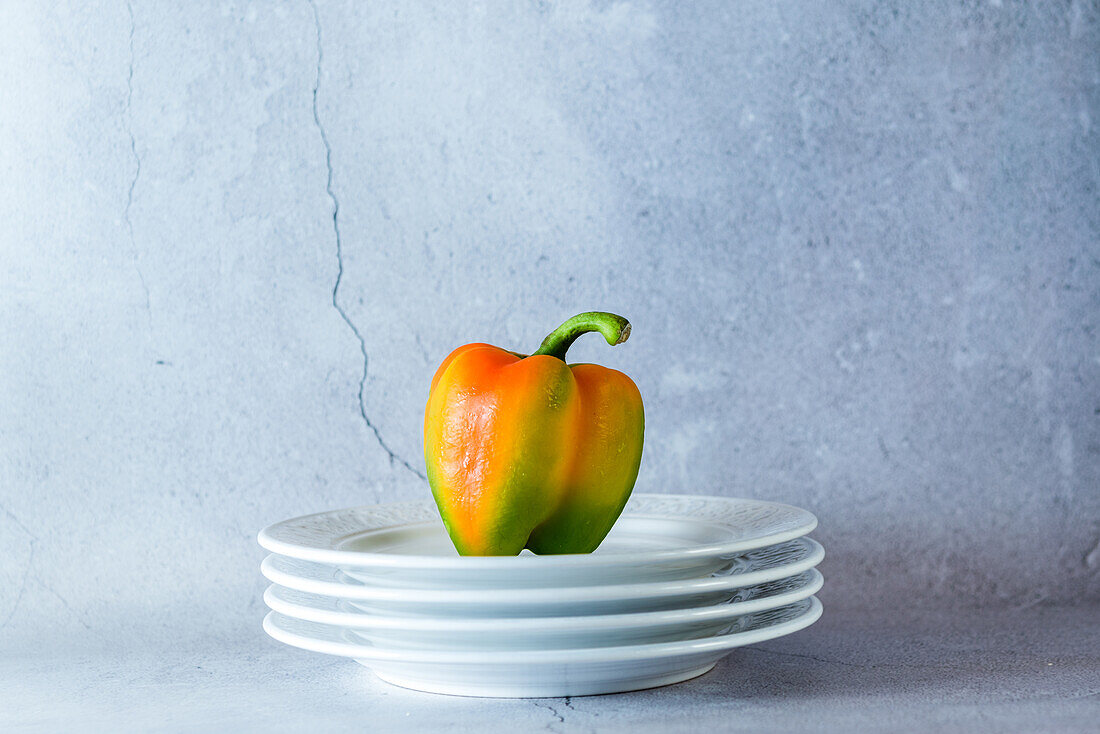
(483, 563)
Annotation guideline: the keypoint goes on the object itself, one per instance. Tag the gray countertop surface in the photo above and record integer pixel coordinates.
(1025, 669)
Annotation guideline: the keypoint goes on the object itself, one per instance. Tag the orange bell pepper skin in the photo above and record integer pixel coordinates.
(529, 452)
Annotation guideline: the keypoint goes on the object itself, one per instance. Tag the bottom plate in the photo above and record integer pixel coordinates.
(543, 673)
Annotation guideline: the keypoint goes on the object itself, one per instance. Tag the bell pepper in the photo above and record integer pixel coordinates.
(531, 452)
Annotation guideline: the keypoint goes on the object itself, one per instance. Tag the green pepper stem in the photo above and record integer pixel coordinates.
(615, 330)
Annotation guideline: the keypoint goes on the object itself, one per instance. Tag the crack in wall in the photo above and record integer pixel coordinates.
(394, 458)
(18, 522)
(137, 163)
(29, 574)
(22, 587)
(64, 602)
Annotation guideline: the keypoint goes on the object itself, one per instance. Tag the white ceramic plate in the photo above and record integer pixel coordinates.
(658, 537)
(580, 672)
(534, 633)
(751, 568)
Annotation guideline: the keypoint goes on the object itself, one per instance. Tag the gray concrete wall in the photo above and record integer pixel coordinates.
(859, 243)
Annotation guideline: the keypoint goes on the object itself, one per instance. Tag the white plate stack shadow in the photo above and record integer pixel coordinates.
(679, 582)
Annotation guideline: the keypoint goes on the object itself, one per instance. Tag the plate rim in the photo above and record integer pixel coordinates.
(594, 622)
(593, 655)
(543, 594)
(268, 539)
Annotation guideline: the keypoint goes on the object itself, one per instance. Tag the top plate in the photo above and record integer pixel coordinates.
(658, 537)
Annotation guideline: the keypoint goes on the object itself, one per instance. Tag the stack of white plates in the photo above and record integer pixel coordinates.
(679, 582)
